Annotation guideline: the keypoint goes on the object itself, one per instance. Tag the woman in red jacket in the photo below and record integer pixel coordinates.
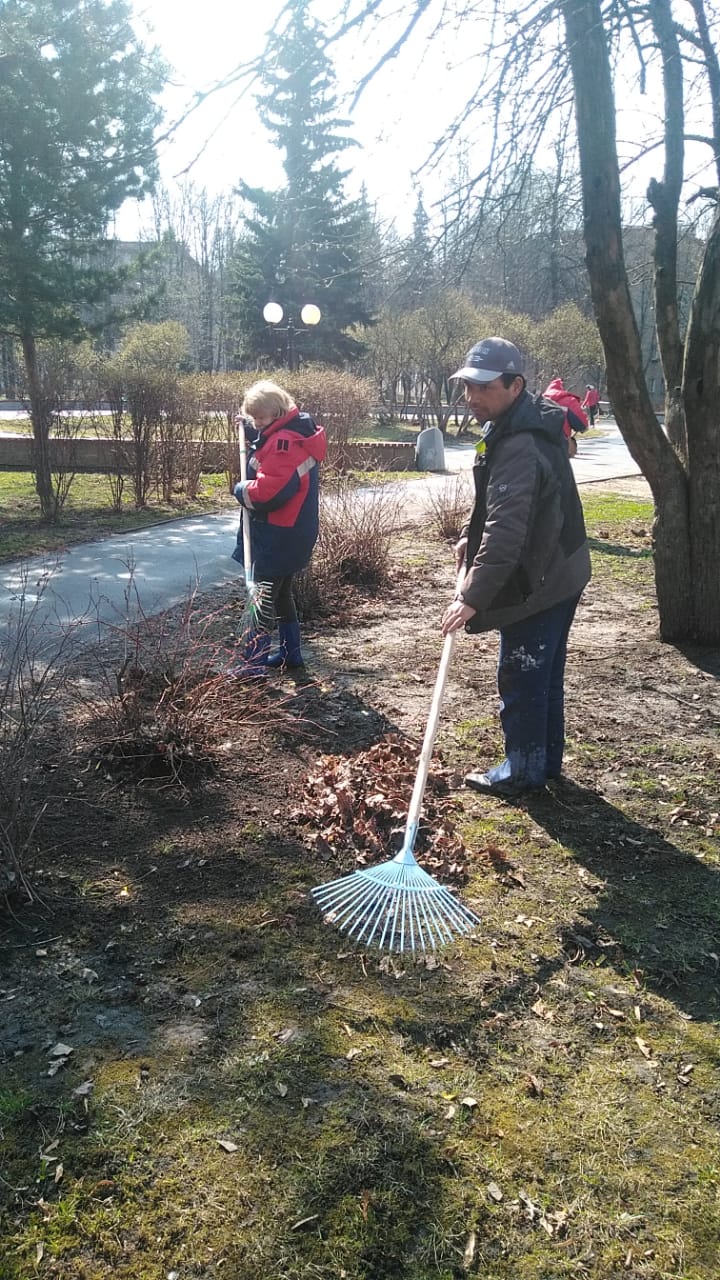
(281, 495)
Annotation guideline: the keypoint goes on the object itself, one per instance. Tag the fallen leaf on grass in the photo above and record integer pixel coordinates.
(227, 1145)
(288, 1034)
(61, 1051)
(282, 1089)
(399, 1081)
(59, 1171)
(439, 1062)
(365, 1202)
(353, 1053)
(535, 1086)
(304, 1222)
(494, 1192)
(468, 1102)
(644, 1048)
(541, 1010)
(470, 1251)
(84, 1089)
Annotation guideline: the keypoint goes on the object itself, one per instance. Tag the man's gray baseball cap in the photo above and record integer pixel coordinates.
(489, 359)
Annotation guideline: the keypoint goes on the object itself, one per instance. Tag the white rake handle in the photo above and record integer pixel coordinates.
(244, 514)
(423, 768)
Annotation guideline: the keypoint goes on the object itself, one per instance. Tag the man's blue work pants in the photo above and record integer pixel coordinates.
(531, 675)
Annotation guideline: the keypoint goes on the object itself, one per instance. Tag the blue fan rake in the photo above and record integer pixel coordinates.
(397, 906)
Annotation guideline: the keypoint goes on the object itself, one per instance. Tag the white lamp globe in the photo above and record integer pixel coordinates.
(272, 312)
(310, 314)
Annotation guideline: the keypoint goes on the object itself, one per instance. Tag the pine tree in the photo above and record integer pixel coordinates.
(304, 243)
(77, 123)
(417, 270)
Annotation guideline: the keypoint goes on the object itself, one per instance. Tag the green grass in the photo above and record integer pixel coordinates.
(539, 1103)
(87, 514)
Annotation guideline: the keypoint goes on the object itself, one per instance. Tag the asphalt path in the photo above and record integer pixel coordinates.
(114, 580)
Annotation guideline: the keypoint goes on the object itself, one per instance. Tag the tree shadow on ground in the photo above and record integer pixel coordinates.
(602, 547)
(658, 911)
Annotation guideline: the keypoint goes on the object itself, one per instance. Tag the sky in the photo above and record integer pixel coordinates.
(398, 118)
(395, 122)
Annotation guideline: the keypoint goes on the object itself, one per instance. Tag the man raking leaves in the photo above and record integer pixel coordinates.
(526, 561)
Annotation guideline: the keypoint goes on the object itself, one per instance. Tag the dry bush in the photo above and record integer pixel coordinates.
(32, 684)
(220, 396)
(448, 508)
(357, 527)
(340, 401)
(165, 702)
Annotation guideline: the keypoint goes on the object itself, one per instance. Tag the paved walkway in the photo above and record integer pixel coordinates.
(116, 578)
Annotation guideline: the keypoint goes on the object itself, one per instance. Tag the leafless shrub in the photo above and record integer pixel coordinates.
(31, 686)
(340, 401)
(166, 703)
(448, 508)
(357, 526)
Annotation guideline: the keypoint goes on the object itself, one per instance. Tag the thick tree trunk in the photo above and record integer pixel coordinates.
(40, 417)
(627, 387)
(701, 390)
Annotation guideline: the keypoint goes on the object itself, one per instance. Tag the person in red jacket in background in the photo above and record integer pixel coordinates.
(575, 419)
(591, 402)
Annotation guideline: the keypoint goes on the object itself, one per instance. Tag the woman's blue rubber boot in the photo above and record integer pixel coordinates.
(254, 662)
(289, 654)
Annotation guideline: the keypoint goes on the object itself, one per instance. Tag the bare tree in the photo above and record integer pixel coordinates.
(531, 64)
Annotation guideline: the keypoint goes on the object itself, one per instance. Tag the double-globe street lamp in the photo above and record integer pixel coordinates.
(273, 315)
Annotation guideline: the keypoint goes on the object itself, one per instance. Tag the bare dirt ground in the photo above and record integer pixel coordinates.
(201, 1078)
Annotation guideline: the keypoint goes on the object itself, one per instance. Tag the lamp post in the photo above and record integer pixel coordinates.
(273, 315)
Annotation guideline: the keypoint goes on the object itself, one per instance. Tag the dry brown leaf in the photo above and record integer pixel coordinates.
(470, 1251)
(365, 1202)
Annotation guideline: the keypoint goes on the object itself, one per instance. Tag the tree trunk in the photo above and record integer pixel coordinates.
(664, 198)
(627, 387)
(40, 417)
(701, 390)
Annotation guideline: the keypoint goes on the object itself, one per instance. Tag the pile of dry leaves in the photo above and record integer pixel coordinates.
(355, 807)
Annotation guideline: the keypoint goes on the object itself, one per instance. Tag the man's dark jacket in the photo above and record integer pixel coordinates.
(527, 547)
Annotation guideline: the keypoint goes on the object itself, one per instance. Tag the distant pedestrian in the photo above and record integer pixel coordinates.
(591, 402)
(281, 495)
(527, 561)
(575, 420)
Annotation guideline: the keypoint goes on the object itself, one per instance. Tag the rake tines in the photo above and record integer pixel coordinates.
(397, 905)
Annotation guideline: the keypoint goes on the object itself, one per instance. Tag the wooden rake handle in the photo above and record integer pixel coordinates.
(244, 513)
(423, 768)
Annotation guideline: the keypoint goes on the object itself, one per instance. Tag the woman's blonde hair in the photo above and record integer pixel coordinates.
(268, 399)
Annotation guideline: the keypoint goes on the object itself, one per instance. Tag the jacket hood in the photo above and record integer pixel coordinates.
(532, 413)
(557, 384)
(312, 435)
